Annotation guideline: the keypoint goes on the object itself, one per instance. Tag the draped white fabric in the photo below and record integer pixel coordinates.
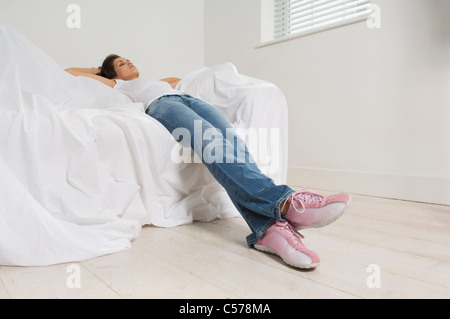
(82, 168)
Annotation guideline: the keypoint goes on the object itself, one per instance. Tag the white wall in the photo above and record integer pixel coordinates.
(369, 109)
(163, 38)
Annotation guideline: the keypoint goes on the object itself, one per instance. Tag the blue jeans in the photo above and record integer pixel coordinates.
(254, 194)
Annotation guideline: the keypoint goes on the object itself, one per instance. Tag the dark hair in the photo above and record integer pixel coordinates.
(107, 70)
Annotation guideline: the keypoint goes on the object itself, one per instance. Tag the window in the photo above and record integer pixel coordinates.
(299, 17)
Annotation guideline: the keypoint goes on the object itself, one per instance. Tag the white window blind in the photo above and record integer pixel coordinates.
(297, 17)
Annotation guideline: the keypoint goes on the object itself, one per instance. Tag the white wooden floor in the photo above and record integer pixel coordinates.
(380, 248)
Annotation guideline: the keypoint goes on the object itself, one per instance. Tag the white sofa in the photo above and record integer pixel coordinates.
(83, 168)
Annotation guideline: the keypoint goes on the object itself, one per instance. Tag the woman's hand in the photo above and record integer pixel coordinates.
(172, 81)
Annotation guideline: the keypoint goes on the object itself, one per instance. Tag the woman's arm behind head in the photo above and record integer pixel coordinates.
(92, 73)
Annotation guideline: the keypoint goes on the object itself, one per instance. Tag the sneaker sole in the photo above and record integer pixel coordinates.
(322, 224)
(271, 251)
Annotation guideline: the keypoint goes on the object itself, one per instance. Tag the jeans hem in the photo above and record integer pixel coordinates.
(254, 237)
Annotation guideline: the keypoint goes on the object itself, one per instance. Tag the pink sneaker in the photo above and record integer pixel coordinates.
(311, 210)
(281, 239)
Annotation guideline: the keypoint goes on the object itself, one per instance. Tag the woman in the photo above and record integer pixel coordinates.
(274, 213)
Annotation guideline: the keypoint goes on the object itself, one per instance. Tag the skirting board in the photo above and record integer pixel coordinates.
(418, 189)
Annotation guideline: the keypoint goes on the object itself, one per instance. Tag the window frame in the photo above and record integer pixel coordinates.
(268, 21)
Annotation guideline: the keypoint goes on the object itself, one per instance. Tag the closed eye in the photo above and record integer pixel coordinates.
(121, 63)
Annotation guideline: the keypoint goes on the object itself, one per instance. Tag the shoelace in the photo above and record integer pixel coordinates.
(303, 197)
(293, 234)
(309, 197)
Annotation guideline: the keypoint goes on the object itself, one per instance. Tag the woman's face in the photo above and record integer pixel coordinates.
(125, 69)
